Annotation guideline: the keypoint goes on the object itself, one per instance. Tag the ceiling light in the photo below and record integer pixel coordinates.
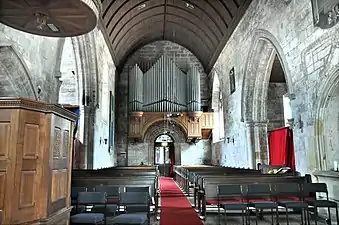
(141, 6)
(190, 6)
(52, 27)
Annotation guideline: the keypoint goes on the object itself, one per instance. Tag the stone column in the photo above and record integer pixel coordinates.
(257, 143)
(82, 131)
(86, 133)
(177, 153)
(90, 137)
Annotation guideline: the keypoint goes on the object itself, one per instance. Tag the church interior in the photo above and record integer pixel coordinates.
(169, 112)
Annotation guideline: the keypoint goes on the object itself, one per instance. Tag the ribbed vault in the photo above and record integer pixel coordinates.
(202, 26)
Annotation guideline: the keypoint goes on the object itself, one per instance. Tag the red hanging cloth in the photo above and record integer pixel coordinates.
(281, 148)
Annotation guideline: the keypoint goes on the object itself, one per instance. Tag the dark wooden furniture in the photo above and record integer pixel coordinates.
(35, 162)
(122, 177)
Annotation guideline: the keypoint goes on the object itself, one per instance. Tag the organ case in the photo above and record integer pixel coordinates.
(35, 162)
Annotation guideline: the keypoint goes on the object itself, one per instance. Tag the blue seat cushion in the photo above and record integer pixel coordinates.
(130, 219)
(88, 218)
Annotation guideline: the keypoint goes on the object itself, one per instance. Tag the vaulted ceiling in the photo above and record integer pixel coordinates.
(202, 26)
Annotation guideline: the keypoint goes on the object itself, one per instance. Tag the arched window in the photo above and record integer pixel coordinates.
(217, 106)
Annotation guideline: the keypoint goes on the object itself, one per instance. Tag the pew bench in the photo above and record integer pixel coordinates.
(207, 193)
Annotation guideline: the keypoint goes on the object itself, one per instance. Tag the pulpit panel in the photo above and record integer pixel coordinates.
(60, 159)
(5, 135)
(29, 148)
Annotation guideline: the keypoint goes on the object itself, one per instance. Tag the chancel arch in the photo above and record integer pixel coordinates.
(14, 77)
(266, 71)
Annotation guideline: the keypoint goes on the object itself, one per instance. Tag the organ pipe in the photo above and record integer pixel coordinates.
(164, 88)
(135, 92)
(163, 85)
(193, 90)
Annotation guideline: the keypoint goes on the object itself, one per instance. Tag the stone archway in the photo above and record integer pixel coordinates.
(254, 92)
(175, 132)
(14, 77)
(326, 125)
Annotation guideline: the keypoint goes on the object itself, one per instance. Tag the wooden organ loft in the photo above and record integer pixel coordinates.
(165, 90)
(35, 162)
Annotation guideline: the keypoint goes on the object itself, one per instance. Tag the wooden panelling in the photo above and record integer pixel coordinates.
(207, 120)
(58, 191)
(3, 176)
(194, 129)
(5, 131)
(27, 189)
(35, 157)
(138, 125)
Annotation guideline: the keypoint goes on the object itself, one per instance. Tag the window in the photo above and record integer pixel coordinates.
(287, 109)
(217, 105)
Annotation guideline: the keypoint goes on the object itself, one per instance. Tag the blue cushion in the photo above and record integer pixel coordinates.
(90, 218)
(130, 219)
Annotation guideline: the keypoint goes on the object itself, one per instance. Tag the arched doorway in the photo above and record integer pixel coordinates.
(164, 155)
(266, 87)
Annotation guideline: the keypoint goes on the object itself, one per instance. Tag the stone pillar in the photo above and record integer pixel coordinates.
(82, 131)
(256, 142)
(177, 153)
(90, 136)
(86, 134)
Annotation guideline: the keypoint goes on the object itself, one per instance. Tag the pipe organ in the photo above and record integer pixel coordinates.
(135, 93)
(163, 89)
(193, 90)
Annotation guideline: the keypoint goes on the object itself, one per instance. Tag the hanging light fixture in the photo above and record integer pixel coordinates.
(164, 144)
(52, 18)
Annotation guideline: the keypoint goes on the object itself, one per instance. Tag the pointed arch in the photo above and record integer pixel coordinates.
(14, 76)
(257, 73)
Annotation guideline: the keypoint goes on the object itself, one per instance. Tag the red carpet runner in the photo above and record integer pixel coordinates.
(175, 207)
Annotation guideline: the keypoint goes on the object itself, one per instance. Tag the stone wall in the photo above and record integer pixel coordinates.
(309, 57)
(106, 84)
(145, 57)
(275, 106)
(37, 57)
(196, 154)
(69, 88)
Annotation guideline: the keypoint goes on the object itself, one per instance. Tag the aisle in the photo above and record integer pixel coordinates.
(175, 208)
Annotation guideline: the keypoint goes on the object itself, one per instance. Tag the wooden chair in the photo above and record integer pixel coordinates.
(230, 197)
(320, 203)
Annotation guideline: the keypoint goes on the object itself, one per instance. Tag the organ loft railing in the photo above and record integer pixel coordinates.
(165, 89)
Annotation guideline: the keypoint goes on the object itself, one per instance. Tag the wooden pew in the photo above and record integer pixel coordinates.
(186, 176)
(119, 176)
(209, 184)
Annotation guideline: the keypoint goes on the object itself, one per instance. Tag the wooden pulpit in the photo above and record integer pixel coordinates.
(35, 162)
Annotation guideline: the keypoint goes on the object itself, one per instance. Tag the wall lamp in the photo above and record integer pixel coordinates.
(299, 124)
